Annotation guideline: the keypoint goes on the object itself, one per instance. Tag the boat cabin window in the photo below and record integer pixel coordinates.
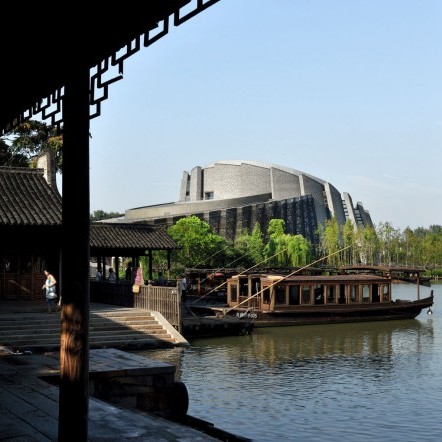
(375, 293)
(280, 298)
(294, 294)
(319, 294)
(266, 295)
(366, 293)
(243, 287)
(386, 295)
(330, 294)
(280, 295)
(342, 299)
(256, 286)
(233, 292)
(305, 295)
(354, 294)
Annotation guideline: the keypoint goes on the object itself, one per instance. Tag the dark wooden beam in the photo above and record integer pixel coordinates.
(74, 344)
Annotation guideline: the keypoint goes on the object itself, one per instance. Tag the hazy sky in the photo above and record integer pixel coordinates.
(346, 90)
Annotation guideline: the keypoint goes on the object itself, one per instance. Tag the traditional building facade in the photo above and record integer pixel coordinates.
(233, 195)
(31, 233)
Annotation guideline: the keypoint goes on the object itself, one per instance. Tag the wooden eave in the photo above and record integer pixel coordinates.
(42, 45)
(127, 239)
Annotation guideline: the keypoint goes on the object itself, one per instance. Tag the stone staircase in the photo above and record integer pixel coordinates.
(116, 327)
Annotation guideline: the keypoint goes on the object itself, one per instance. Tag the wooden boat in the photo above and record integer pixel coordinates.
(208, 285)
(407, 274)
(275, 300)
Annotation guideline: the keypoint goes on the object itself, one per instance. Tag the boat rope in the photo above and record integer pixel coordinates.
(246, 270)
(211, 256)
(220, 268)
(225, 311)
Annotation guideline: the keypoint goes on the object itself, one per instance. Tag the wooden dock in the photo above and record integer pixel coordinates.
(29, 399)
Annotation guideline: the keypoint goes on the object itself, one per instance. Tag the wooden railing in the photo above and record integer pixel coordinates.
(165, 300)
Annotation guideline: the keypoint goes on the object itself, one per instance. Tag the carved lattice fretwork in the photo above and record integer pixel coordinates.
(108, 71)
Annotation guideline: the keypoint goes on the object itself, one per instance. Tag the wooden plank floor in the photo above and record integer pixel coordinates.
(29, 405)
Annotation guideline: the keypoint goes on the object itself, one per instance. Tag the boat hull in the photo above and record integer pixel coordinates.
(329, 314)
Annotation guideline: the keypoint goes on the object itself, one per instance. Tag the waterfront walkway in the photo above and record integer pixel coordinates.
(29, 408)
(29, 400)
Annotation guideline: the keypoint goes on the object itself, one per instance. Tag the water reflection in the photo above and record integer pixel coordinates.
(303, 344)
(341, 382)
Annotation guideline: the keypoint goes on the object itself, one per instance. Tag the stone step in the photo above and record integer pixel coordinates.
(125, 328)
(104, 335)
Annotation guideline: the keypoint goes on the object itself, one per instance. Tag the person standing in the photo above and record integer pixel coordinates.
(161, 280)
(98, 275)
(112, 275)
(128, 274)
(183, 288)
(49, 286)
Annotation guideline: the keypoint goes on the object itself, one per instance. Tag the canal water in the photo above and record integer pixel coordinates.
(344, 382)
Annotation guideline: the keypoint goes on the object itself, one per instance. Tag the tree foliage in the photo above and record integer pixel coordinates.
(30, 139)
(382, 245)
(8, 159)
(199, 246)
(100, 215)
(284, 249)
(330, 242)
(250, 246)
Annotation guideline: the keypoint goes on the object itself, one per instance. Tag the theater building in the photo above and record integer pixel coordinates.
(233, 195)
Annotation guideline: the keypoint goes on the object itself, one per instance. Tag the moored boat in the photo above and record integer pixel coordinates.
(275, 300)
(399, 274)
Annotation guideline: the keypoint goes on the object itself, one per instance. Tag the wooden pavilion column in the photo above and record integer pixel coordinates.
(74, 344)
(150, 265)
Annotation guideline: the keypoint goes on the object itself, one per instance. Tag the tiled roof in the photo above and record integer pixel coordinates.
(26, 199)
(130, 236)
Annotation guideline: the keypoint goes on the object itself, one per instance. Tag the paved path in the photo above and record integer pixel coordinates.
(29, 409)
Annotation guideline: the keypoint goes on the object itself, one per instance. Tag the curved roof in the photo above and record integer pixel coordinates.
(265, 166)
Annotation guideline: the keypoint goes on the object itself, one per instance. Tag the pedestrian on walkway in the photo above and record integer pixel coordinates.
(184, 288)
(51, 293)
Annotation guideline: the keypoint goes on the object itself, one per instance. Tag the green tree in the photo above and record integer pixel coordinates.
(275, 250)
(32, 137)
(159, 264)
(99, 215)
(299, 250)
(387, 239)
(350, 254)
(8, 159)
(330, 244)
(251, 246)
(369, 245)
(290, 250)
(199, 246)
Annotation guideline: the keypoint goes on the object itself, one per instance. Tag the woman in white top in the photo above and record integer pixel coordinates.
(49, 286)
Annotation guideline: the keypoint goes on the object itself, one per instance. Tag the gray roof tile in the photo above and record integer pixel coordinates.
(130, 236)
(26, 198)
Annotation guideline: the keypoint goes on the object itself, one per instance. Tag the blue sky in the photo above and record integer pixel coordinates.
(345, 90)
